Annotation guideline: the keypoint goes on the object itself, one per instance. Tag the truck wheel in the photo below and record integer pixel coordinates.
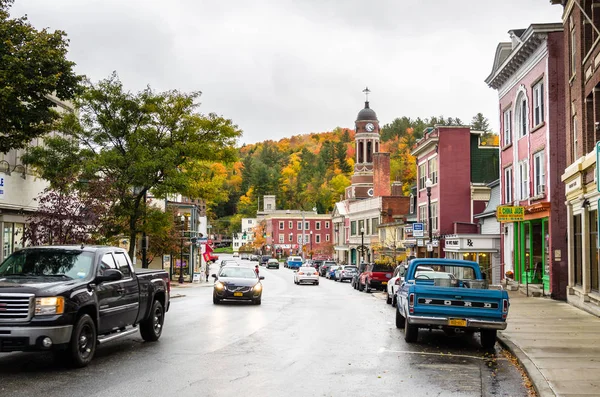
(400, 320)
(411, 332)
(488, 338)
(151, 328)
(82, 346)
(388, 299)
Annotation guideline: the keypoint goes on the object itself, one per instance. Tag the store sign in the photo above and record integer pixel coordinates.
(509, 213)
(420, 243)
(408, 230)
(2, 187)
(418, 229)
(574, 184)
(452, 243)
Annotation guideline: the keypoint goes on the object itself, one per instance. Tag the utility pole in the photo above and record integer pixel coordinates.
(144, 237)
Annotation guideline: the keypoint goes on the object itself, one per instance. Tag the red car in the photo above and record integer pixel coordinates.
(374, 276)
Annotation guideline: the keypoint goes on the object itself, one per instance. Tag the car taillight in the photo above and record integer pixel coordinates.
(300, 273)
(411, 303)
(504, 308)
(397, 282)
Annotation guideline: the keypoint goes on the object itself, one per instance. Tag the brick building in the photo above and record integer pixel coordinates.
(459, 163)
(528, 73)
(581, 23)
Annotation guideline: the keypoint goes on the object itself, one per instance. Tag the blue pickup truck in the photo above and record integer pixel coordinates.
(450, 295)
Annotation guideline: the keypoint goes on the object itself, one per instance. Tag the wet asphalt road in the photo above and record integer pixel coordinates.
(326, 340)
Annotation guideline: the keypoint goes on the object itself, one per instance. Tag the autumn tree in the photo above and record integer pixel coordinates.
(143, 142)
(33, 66)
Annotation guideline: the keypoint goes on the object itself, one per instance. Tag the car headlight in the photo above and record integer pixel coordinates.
(258, 287)
(219, 285)
(49, 306)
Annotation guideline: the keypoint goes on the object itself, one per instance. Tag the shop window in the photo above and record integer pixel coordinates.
(485, 265)
(593, 219)
(577, 254)
(7, 246)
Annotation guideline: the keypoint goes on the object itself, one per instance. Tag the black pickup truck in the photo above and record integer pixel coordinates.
(68, 299)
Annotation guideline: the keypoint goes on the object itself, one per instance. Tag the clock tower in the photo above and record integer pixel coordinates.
(367, 143)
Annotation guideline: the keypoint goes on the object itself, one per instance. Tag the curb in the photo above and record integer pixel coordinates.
(176, 296)
(540, 383)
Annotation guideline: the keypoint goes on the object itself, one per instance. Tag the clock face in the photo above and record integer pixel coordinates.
(370, 191)
(369, 127)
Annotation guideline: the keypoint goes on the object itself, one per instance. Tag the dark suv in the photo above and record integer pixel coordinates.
(264, 259)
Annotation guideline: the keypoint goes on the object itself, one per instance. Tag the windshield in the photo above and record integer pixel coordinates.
(381, 268)
(73, 264)
(237, 272)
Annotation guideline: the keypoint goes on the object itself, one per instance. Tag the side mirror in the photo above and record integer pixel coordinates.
(261, 278)
(109, 275)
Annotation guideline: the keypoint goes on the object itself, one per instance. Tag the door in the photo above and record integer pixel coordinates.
(129, 291)
(108, 297)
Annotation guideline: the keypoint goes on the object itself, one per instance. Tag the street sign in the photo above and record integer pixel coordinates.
(509, 213)
(418, 229)
(436, 243)
(429, 247)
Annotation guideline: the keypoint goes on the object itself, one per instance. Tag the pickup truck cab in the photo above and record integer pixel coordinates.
(68, 299)
(294, 262)
(450, 295)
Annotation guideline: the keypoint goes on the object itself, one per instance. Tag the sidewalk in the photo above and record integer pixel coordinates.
(176, 287)
(556, 343)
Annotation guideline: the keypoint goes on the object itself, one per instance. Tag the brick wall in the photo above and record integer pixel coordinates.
(381, 174)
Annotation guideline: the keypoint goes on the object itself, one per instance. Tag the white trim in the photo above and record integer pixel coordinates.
(520, 74)
(548, 143)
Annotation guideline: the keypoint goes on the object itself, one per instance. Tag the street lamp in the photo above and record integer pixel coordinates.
(362, 244)
(428, 185)
(181, 250)
(311, 251)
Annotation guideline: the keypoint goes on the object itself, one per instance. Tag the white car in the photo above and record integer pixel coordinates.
(306, 275)
(395, 282)
(236, 254)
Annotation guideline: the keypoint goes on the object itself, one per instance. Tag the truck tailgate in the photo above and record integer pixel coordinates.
(459, 302)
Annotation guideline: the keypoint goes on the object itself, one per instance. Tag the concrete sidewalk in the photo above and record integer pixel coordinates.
(556, 343)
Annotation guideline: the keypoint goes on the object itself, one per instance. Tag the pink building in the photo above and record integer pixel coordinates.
(528, 74)
(459, 164)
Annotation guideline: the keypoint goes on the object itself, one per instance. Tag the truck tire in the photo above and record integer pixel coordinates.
(488, 338)
(151, 327)
(394, 301)
(400, 320)
(411, 332)
(388, 300)
(82, 346)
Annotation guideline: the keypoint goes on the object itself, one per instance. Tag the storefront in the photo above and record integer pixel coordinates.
(12, 237)
(480, 248)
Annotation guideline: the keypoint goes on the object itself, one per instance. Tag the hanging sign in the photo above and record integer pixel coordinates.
(510, 213)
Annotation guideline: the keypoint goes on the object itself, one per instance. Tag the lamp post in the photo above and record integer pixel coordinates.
(428, 185)
(362, 244)
(181, 250)
(311, 251)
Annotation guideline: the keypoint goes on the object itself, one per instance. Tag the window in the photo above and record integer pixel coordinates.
(353, 228)
(374, 225)
(299, 238)
(573, 49)
(318, 225)
(539, 174)
(368, 228)
(306, 238)
(422, 176)
(291, 224)
(524, 178)
(508, 185)
(299, 225)
(507, 127)
(538, 103)
(317, 238)
(411, 209)
(108, 262)
(327, 237)
(123, 264)
(433, 168)
(422, 213)
(281, 225)
(434, 216)
(249, 221)
(522, 115)
(326, 225)
(281, 239)
(575, 152)
(361, 225)
(291, 237)
(306, 225)
(268, 206)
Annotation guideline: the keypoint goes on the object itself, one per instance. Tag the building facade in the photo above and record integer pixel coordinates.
(528, 74)
(299, 233)
(581, 24)
(458, 163)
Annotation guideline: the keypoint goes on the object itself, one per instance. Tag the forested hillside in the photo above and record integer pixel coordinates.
(312, 170)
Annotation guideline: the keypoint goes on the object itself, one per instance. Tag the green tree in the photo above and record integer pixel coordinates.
(480, 123)
(143, 142)
(33, 66)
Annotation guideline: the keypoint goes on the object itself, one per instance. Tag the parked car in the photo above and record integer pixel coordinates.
(244, 256)
(236, 254)
(228, 262)
(452, 296)
(330, 274)
(356, 277)
(345, 273)
(254, 258)
(237, 283)
(306, 275)
(272, 264)
(375, 276)
(264, 259)
(325, 267)
(294, 262)
(394, 283)
(69, 299)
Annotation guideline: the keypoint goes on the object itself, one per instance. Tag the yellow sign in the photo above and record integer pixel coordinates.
(509, 213)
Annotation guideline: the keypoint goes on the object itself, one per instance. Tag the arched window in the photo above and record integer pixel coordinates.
(360, 152)
(521, 112)
(369, 152)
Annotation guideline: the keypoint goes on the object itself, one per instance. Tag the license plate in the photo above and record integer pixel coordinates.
(238, 294)
(456, 322)
(384, 283)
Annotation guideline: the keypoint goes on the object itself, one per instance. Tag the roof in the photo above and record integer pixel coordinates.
(490, 209)
(366, 114)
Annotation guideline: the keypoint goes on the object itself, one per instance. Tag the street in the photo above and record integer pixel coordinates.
(326, 340)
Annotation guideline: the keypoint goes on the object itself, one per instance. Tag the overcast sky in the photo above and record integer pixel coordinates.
(285, 67)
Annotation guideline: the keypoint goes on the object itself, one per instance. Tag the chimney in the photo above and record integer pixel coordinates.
(397, 189)
(381, 174)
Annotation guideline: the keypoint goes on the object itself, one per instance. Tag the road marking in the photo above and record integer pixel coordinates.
(384, 350)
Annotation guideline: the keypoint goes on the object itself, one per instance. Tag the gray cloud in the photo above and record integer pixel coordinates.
(283, 67)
